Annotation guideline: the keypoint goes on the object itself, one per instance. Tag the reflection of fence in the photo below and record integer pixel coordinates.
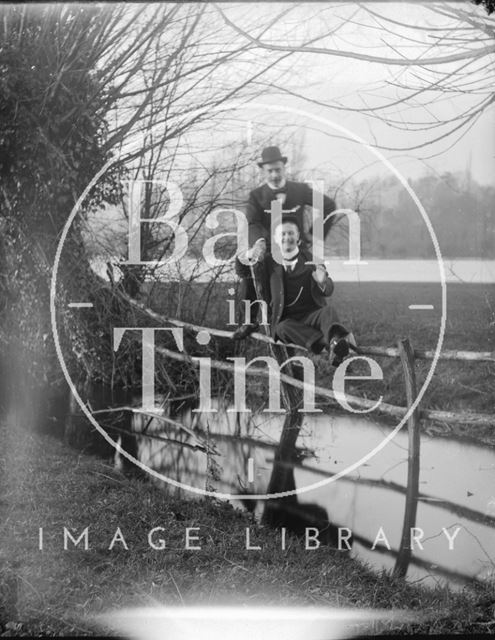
(407, 356)
(452, 507)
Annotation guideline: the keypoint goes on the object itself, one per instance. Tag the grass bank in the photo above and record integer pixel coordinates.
(45, 484)
(379, 315)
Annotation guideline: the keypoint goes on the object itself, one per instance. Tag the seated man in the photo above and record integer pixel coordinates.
(293, 196)
(298, 292)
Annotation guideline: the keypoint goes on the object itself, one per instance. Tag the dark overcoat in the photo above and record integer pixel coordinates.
(298, 195)
(273, 275)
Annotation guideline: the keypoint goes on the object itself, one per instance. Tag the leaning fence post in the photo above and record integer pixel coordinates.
(406, 354)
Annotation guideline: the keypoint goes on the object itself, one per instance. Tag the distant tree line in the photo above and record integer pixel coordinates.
(461, 211)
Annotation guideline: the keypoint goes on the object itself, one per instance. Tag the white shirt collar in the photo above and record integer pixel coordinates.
(290, 256)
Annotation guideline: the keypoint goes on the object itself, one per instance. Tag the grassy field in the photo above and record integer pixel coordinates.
(379, 315)
(45, 484)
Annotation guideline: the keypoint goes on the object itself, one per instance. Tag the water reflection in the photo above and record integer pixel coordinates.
(457, 482)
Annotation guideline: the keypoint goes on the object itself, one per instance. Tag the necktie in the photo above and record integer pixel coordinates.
(290, 264)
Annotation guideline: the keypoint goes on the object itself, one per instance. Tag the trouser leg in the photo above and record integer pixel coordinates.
(255, 292)
(247, 313)
(297, 332)
(327, 321)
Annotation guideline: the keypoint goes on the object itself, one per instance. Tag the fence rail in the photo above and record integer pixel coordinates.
(389, 352)
(407, 356)
(394, 411)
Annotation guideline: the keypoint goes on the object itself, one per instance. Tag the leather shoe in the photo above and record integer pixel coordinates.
(339, 351)
(245, 330)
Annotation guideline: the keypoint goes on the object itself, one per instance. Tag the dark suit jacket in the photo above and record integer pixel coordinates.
(273, 275)
(298, 195)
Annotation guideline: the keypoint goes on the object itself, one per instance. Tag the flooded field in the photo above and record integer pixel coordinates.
(455, 523)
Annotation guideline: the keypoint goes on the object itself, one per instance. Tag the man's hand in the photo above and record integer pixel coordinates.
(320, 275)
(257, 251)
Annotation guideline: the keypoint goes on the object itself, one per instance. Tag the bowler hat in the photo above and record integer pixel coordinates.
(271, 154)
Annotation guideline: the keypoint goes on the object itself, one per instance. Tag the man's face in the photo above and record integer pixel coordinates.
(287, 237)
(274, 172)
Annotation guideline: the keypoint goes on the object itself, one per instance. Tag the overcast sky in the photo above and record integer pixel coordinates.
(352, 83)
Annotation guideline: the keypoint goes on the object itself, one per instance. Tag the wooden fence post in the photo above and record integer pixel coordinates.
(406, 354)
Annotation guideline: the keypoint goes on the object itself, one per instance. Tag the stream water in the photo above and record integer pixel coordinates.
(457, 483)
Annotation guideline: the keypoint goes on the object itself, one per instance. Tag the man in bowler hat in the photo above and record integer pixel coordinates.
(293, 196)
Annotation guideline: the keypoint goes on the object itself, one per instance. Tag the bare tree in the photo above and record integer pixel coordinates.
(80, 85)
(448, 53)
